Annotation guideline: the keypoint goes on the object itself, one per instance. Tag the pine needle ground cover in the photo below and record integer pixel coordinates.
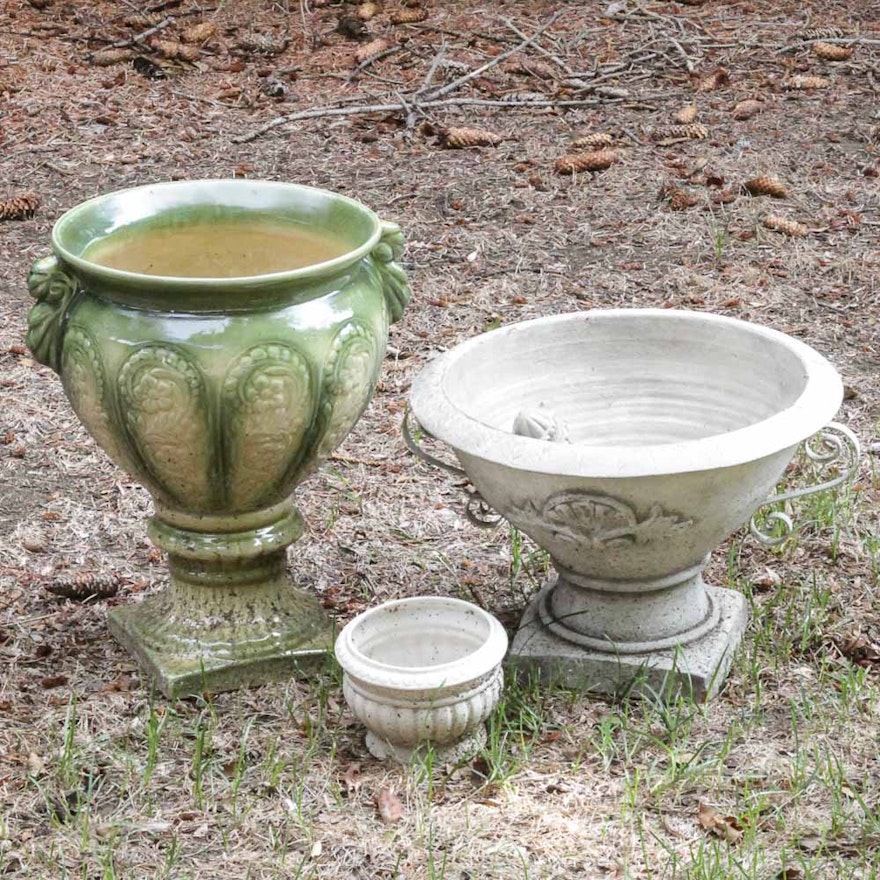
(743, 182)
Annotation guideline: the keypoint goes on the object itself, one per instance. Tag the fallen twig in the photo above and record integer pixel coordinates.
(627, 61)
(367, 62)
(399, 107)
(203, 100)
(632, 136)
(626, 14)
(583, 85)
(793, 47)
(677, 46)
(545, 52)
(410, 111)
(434, 29)
(429, 76)
(139, 38)
(412, 103)
(458, 83)
(367, 462)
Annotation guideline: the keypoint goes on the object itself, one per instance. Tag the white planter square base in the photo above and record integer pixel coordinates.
(696, 669)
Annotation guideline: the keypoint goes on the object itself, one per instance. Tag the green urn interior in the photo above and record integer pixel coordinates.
(219, 387)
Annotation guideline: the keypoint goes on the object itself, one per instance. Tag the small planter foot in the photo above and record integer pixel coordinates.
(696, 669)
(443, 755)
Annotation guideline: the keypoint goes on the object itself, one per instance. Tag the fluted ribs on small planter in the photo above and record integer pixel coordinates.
(406, 721)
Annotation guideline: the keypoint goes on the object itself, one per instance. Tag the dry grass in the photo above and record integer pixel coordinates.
(99, 779)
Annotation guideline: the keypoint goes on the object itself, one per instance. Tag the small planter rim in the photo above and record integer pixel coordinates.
(814, 408)
(455, 673)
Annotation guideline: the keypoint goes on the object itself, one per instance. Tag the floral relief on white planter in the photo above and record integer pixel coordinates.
(419, 671)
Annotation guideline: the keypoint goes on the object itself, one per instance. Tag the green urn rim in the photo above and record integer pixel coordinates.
(97, 218)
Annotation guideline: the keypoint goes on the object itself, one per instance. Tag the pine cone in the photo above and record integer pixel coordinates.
(351, 26)
(596, 141)
(272, 87)
(461, 138)
(199, 33)
(686, 115)
(21, 207)
(576, 163)
(85, 585)
(747, 109)
(175, 51)
(367, 11)
(106, 57)
(786, 227)
(828, 33)
(766, 186)
(831, 52)
(724, 196)
(254, 42)
(715, 81)
(371, 50)
(677, 199)
(409, 16)
(693, 131)
(535, 67)
(808, 82)
(142, 20)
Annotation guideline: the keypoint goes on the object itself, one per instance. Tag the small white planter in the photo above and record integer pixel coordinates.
(422, 670)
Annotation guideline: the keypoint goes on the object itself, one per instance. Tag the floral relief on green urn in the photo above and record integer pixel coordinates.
(220, 395)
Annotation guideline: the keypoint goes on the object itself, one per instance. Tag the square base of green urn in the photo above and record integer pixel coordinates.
(205, 656)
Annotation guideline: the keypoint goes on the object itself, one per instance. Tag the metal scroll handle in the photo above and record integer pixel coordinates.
(478, 512)
(834, 446)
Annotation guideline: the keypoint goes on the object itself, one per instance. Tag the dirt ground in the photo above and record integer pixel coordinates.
(99, 778)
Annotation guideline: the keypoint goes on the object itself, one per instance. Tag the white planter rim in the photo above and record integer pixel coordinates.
(455, 673)
(811, 411)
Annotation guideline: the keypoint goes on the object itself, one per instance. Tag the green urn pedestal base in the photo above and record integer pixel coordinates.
(230, 617)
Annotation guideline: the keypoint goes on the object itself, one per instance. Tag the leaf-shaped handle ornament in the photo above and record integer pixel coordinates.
(53, 289)
(394, 282)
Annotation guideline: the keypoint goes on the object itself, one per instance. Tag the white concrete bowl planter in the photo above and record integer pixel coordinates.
(422, 670)
(629, 444)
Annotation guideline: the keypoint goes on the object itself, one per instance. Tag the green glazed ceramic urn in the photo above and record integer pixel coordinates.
(219, 394)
